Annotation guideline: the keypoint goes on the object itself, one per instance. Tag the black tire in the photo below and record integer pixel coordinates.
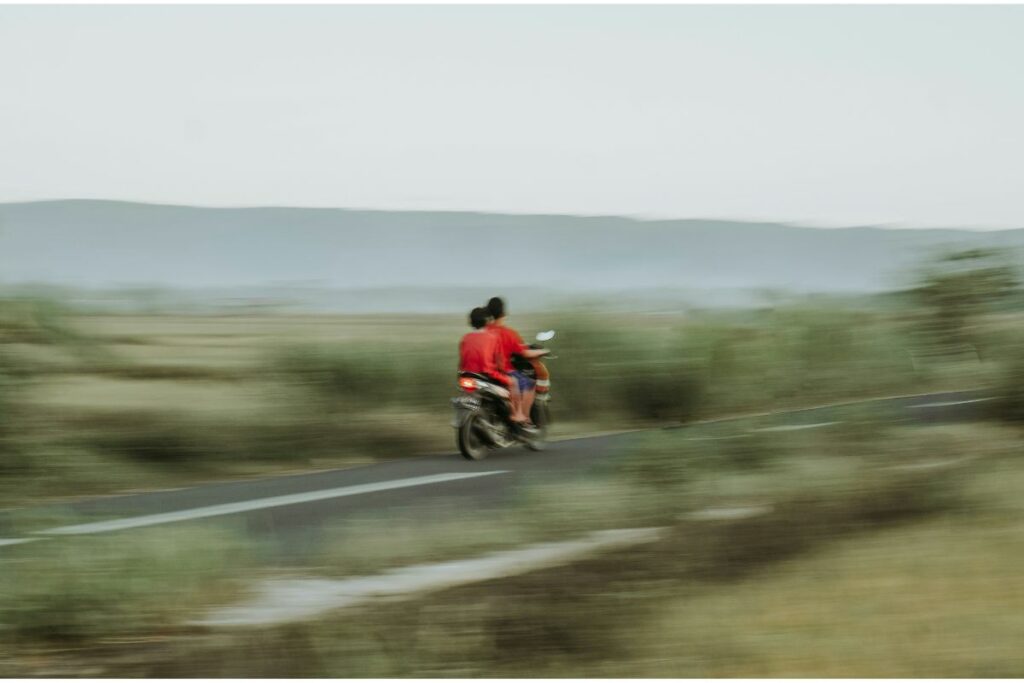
(541, 418)
(471, 442)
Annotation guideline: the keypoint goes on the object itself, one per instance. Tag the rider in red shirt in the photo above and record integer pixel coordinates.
(511, 344)
(479, 349)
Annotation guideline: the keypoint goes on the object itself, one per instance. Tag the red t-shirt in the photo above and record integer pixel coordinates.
(478, 352)
(509, 344)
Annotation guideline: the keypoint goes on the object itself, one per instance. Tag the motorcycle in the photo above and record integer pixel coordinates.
(482, 410)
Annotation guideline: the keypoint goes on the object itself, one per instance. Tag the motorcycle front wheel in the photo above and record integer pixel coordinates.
(541, 419)
(470, 439)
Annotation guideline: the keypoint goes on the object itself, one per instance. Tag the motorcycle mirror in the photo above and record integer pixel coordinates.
(546, 336)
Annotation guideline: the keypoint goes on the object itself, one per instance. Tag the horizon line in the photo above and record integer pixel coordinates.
(638, 218)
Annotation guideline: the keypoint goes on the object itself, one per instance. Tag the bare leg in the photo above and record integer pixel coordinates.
(515, 399)
(528, 397)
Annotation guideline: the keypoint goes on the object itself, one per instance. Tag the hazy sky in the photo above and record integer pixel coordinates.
(908, 116)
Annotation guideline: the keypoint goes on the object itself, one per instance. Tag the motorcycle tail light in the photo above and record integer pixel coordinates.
(467, 384)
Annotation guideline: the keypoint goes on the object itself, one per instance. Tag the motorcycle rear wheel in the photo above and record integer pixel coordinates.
(470, 440)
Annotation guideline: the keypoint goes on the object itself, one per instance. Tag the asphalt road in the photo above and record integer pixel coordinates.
(292, 510)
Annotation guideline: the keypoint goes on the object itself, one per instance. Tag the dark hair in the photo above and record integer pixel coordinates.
(478, 317)
(497, 307)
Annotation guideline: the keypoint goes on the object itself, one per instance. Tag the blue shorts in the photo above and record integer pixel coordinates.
(525, 383)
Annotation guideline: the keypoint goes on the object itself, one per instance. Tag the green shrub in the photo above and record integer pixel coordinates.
(656, 461)
(662, 392)
(354, 375)
(37, 321)
(796, 355)
(73, 590)
(1009, 404)
(640, 368)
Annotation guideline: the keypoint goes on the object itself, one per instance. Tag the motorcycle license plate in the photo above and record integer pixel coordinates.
(468, 402)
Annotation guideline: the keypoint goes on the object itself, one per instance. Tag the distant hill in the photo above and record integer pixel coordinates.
(85, 243)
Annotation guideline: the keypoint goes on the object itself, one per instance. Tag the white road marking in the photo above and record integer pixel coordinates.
(953, 403)
(729, 513)
(934, 464)
(860, 401)
(286, 600)
(596, 435)
(793, 428)
(259, 504)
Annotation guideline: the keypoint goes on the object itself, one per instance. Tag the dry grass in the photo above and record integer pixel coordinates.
(941, 598)
(80, 393)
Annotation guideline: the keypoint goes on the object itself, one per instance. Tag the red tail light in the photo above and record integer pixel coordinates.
(467, 384)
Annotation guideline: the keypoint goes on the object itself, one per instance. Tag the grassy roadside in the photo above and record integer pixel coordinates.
(830, 488)
(846, 576)
(62, 599)
(939, 598)
(120, 403)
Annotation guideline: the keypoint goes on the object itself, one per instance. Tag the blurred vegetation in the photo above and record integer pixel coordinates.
(595, 618)
(34, 321)
(615, 370)
(640, 610)
(388, 373)
(1009, 403)
(117, 605)
(65, 592)
(708, 364)
(957, 287)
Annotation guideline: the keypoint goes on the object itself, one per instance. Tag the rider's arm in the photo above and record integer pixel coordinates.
(525, 351)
